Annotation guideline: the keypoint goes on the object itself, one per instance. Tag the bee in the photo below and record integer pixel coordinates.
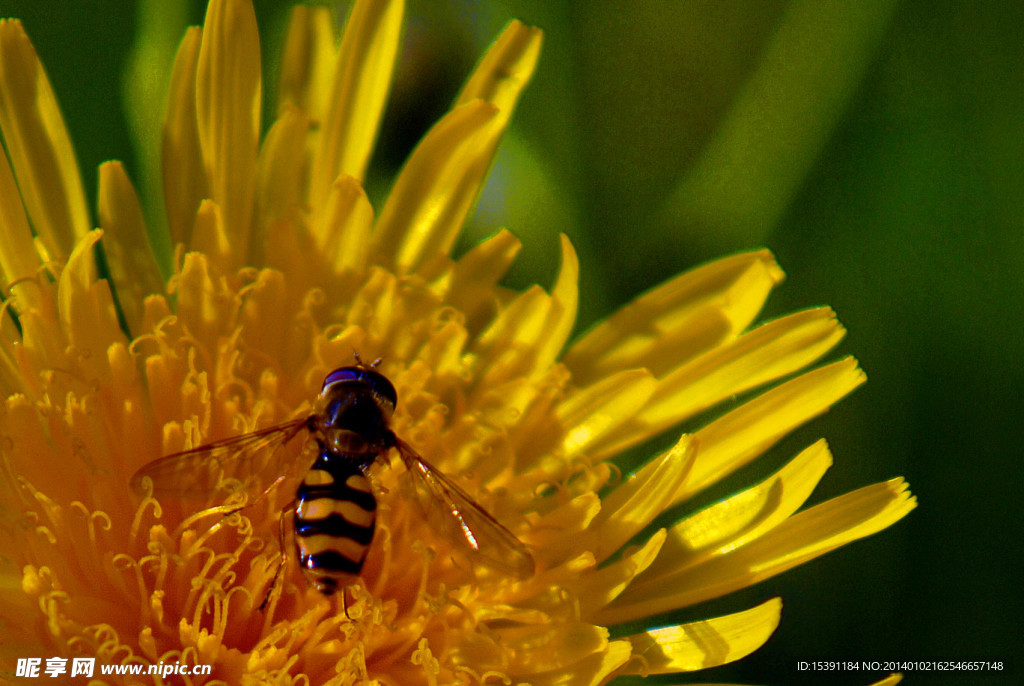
(334, 510)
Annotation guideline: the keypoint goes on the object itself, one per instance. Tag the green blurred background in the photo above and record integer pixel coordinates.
(874, 146)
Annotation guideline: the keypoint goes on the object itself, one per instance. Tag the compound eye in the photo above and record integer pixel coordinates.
(377, 382)
(342, 374)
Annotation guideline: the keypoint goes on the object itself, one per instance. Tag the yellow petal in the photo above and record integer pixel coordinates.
(10, 372)
(228, 84)
(800, 538)
(307, 61)
(34, 336)
(185, 181)
(17, 253)
(761, 355)
(204, 307)
(529, 405)
(591, 413)
(126, 243)
(829, 525)
(279, 176)
(432, 196)
(704, 644)
(38, 144)
(562, 313)
(504, 349)
(592, 670)
(672, 322)
(506, 68)
(87, 310)
(741, 518)
(474, 277)
(641, 498)
(209, 235)
(80, 271)
(745, 432)
(373, 307)
(558, 531)
(362, 78)
(603, 585)
(266, 301)
(503, 73)
(344, 237)
(563, 645)
(43, 339)
(528, 334)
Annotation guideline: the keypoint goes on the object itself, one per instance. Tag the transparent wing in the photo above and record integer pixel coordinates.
(252, 463)
(461, 520)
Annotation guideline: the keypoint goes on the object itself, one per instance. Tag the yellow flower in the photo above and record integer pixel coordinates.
(285, 272)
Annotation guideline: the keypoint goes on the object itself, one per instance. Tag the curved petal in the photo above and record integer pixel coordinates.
(472, 285)
(737, 520)
(309, 55)
(87, 311)
(642, 497)
(590, 414)
(125, 243)
(683, 317)
(39, 146)
(564, 302)
(185, 180)
(704, 644)
(506, 68)
(347, 222)
(362, 79)
(770, 351)
(430, 200)
(228, 86)
(800, 538)
(442, 179)
(18, 257)
(279, 176)
(745, 432)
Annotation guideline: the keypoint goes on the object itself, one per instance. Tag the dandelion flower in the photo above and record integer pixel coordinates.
(283, 271)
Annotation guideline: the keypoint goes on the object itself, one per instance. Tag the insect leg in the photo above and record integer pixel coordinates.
(277, 582)
(258, 499)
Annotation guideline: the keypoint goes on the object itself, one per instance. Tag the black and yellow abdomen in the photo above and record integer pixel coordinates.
(334, 519)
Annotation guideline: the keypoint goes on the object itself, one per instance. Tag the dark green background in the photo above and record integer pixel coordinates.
(898, 203)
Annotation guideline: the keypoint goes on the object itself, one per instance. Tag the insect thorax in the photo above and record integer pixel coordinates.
(353, 419)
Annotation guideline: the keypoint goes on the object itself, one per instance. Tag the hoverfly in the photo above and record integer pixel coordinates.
(334, 509)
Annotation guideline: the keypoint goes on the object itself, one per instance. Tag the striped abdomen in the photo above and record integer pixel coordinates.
(334, 518)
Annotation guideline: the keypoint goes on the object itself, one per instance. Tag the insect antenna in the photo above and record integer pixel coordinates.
(360, 363)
